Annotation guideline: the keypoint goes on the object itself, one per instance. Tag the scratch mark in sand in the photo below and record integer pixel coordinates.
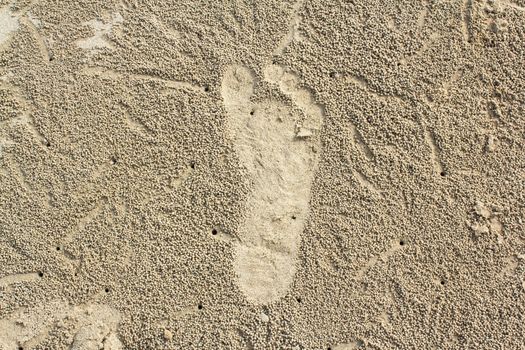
(28, 122)
(224, 236)
(354, 345)
(101, 168)
(42, 47)
(434, 149)
(422, 15)
(101, 30)
(426, 44)
(363, 84)
(363, 180)
(23, 10)
(467, 21)
(167, 30)
(359, 141)
(493, 111)
(396, 246)
(293, 29)
(174, 183)
(513, 5)
(25, 118)
(424, 47)
(83, 222)
(5, 143)
(112, 74)
(179, 179)
(187, 310)
(182, 312)
(235, 17)
(19, 175)
(134, 123)
(453, 79)
(511, 263)
(19, 277)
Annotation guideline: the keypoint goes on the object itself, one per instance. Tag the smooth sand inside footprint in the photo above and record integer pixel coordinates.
(8, 24)
(281, 165)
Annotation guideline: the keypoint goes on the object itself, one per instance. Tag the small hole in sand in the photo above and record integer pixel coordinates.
(252, 112)
(48, 144)
(199, 306)
(192, 165)
(20, 348)
(401, 242)
(206, 88)
(40, 274)
(113, 160)
(214, 232)
(106, 290)
(442, 282)
(294, 217)
(443, 173)
(299, 300)
(58, 248)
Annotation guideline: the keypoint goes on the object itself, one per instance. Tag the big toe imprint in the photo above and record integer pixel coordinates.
(279, 152)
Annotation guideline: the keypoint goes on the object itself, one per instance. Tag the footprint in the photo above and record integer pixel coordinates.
(10, 24)
(93, 326)
(28, 327)
(279, 151)
(98, 328)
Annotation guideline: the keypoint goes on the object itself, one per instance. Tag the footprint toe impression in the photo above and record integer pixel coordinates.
(279, 158)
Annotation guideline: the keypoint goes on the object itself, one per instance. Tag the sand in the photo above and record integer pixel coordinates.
(262, 175)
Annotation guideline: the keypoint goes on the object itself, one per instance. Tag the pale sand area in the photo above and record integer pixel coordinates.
(262, 175)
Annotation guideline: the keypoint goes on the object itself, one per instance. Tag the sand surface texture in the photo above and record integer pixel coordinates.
(262, 174)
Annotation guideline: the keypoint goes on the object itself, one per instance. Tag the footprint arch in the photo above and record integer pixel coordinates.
(280, 158)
